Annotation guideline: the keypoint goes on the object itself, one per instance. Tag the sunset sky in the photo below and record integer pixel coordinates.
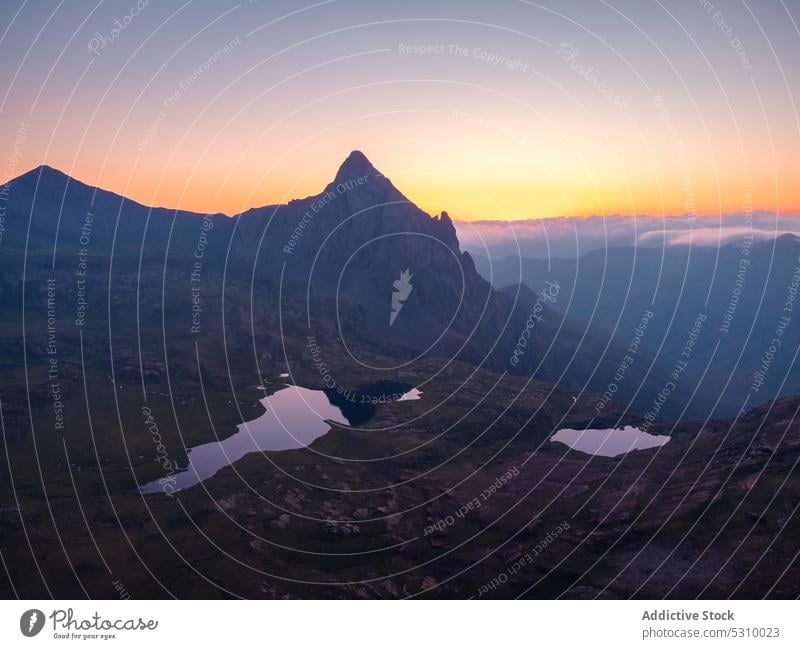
(510, 110)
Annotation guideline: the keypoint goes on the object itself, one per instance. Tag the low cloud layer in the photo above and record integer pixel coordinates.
(573, 237)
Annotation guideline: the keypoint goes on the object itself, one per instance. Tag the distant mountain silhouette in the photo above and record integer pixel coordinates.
(742, 292)
(324, 265)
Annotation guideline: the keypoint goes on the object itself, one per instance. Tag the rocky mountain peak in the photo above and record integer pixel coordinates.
(355, 165)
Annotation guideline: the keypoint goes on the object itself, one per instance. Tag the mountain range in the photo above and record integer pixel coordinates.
(733, 305)
(324, 267)
(131, 335)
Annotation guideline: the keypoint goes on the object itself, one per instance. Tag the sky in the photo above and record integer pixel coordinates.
(489, 110)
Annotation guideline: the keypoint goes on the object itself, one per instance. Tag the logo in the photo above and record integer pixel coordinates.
(402, 289)
(31, 622)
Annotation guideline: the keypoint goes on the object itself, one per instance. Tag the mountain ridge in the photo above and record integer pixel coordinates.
(356, 163)
(329, 259)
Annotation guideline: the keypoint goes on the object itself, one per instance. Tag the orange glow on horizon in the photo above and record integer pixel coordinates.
(199, 190)
(169, 117)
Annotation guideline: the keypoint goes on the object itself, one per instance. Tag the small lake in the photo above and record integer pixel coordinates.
(294, 418)
(609, 442)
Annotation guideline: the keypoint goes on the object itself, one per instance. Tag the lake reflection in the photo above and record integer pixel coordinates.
(294, 418)
(609, 442)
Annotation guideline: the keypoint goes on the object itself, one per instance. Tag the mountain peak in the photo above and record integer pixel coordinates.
(45, 172)
(354, 166)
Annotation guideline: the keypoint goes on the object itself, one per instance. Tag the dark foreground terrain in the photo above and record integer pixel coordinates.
(458, 494)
